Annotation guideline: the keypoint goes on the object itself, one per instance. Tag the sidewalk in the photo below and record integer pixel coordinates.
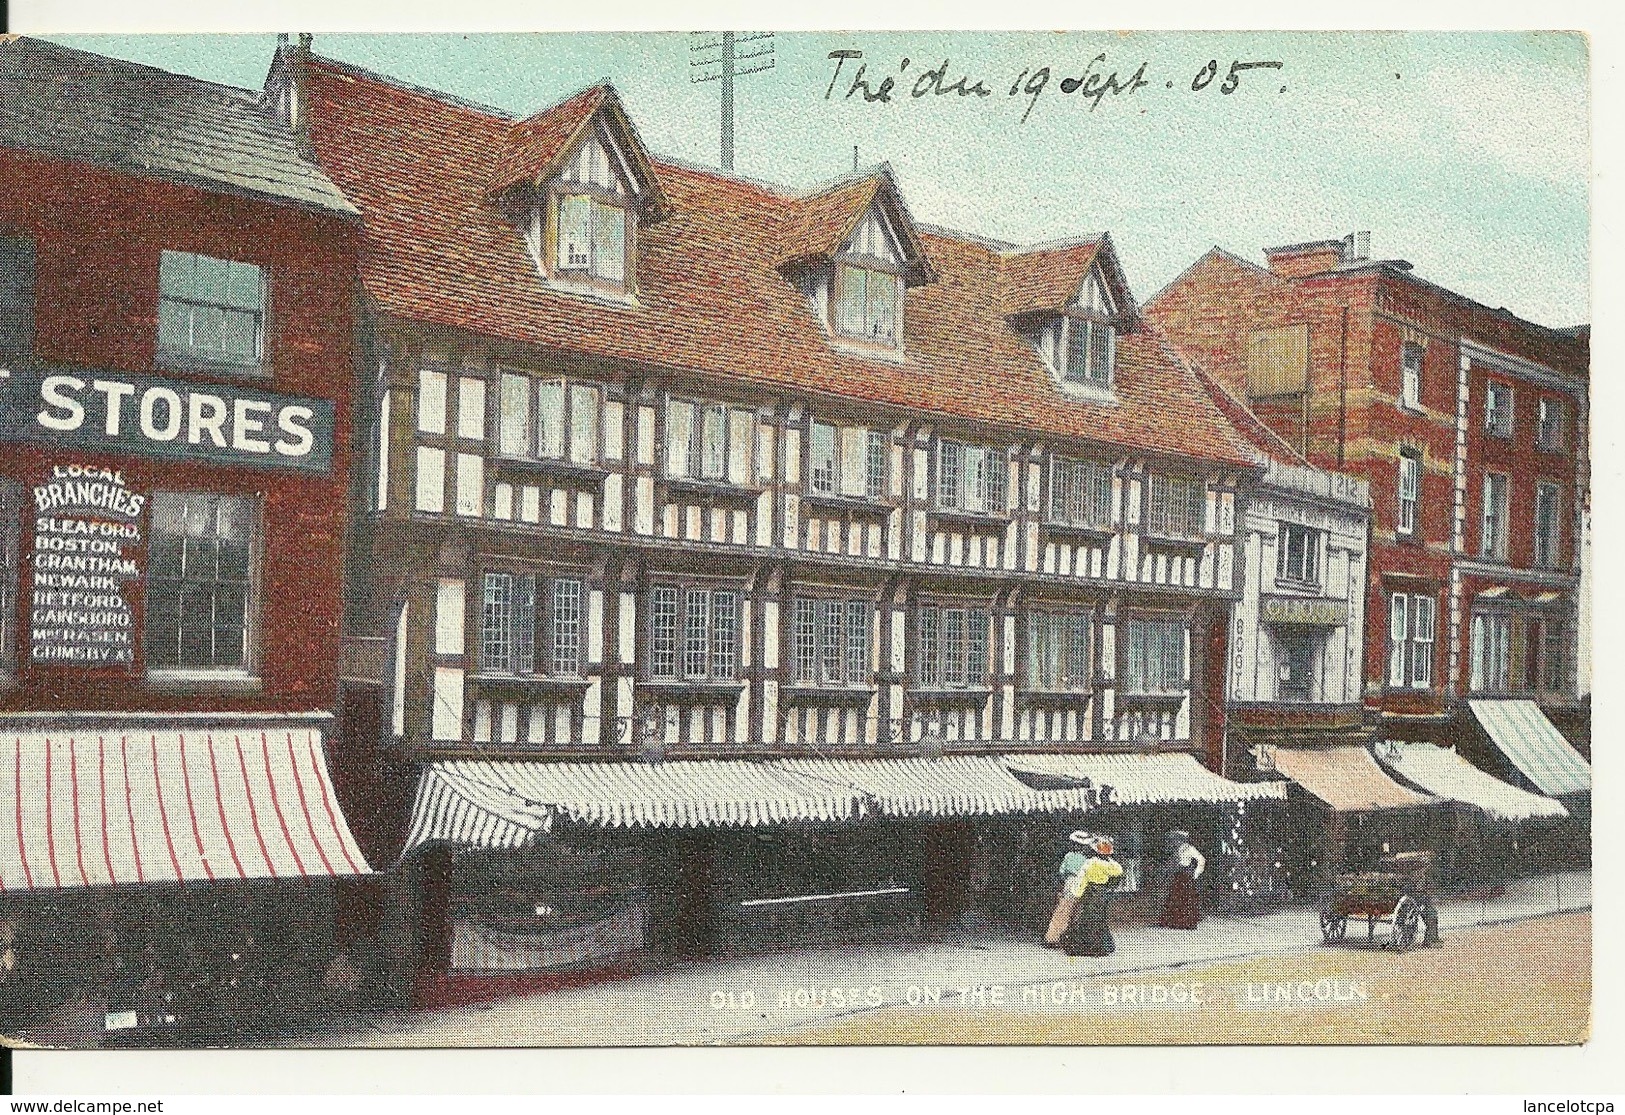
(760, 996)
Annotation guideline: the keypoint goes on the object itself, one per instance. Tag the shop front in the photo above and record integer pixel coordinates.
(535, 874)
(166, 886)
(1498, 830)
(1350, 815)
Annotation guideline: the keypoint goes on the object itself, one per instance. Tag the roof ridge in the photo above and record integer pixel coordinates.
(126, 65)
(1088, 240)
(440, 95)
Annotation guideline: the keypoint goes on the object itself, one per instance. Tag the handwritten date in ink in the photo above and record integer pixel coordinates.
(1094, 84)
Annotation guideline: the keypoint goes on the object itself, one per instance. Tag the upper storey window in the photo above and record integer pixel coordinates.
(868, 294)
(581, 230)
(210, 309)
(1081, 344)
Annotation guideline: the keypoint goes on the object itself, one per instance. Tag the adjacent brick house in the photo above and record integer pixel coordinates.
(1470, 426)
(176, 340)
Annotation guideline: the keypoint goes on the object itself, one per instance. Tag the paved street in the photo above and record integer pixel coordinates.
(773, 998)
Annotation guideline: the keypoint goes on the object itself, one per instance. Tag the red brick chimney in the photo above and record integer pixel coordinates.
(1293, 261)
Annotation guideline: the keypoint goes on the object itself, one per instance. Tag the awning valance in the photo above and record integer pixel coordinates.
(952, 786)
(1534, 746)
(1346, 778)
(504, 804)
(1439, 770)
(132, 805)
(1145, 779)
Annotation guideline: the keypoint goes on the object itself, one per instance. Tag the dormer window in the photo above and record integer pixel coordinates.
(592, 238)
(581, 229)
(1083, 342)
(868, 295)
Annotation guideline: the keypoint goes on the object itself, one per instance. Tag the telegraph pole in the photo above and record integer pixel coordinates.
(717, 58)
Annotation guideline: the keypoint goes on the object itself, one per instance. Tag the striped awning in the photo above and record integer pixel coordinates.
(1146, 779)
(99, 807)
(1439, 770)
(952, 786)
(1534, 746)
(1346, 778)
(504, 804)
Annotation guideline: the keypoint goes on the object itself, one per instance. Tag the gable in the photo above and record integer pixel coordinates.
(1093, 296)
(873, 237)
(599, 161)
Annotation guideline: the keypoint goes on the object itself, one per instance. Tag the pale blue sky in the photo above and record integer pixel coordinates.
(1466, 153)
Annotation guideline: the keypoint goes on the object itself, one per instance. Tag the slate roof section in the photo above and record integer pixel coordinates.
(711, 298)
(70, 104)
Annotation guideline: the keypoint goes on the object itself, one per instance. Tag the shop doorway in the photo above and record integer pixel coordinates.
(949, 849)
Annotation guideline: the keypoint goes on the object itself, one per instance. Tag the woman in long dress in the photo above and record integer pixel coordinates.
(1089, 933)
(1183, 907)
(1065, 901)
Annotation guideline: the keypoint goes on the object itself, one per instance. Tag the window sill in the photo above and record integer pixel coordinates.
(874, 350)
(696, 691)
(605, 291)
(1056, 696)
(976, 520)
(1160, 698)
(807, 694)
(528, 683)
(711, 489)
(1170, 542)
(214, 681)
(858, 505)
(188, 363)
(1079, 531)
(572, 470)
(975, 695)
(1089, 391)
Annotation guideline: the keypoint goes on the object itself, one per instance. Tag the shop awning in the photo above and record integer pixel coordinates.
(1346, 778)
(1144, 779)
(1439, 770)
(953, 786)
(506, 804)
(1534, 746)
(98, 807)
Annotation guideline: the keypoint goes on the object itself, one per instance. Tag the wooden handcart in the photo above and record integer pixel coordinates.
(1389, 899)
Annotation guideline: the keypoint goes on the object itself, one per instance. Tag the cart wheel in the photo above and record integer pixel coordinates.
(1333, 927)
(1407, 923)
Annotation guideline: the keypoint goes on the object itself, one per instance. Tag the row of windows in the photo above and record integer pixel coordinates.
(532, 626)
(1514, 653)
(559, 420)
(1551, 414)
(1495, 521)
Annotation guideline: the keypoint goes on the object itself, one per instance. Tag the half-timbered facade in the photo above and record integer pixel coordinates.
(678, 473)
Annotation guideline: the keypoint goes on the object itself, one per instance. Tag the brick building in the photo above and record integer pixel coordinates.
(733, 548)
(1470, 425)
(176, 327)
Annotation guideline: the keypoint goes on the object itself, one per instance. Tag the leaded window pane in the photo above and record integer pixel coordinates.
(724, 635)
(663, 632)
(857, 642)
(567, 627)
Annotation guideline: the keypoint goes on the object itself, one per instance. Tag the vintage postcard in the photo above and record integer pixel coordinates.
(762, 538)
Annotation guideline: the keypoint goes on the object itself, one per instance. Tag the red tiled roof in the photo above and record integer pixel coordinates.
(825, 219)
(533, 145)
(1045, 279)
(710, 298)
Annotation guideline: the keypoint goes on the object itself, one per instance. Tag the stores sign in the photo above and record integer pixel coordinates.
(1298, 610)
(115, 412)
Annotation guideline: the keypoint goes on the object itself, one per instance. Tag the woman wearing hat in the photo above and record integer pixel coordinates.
(1183, 907)
(1066, 901)
(1087, 932)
